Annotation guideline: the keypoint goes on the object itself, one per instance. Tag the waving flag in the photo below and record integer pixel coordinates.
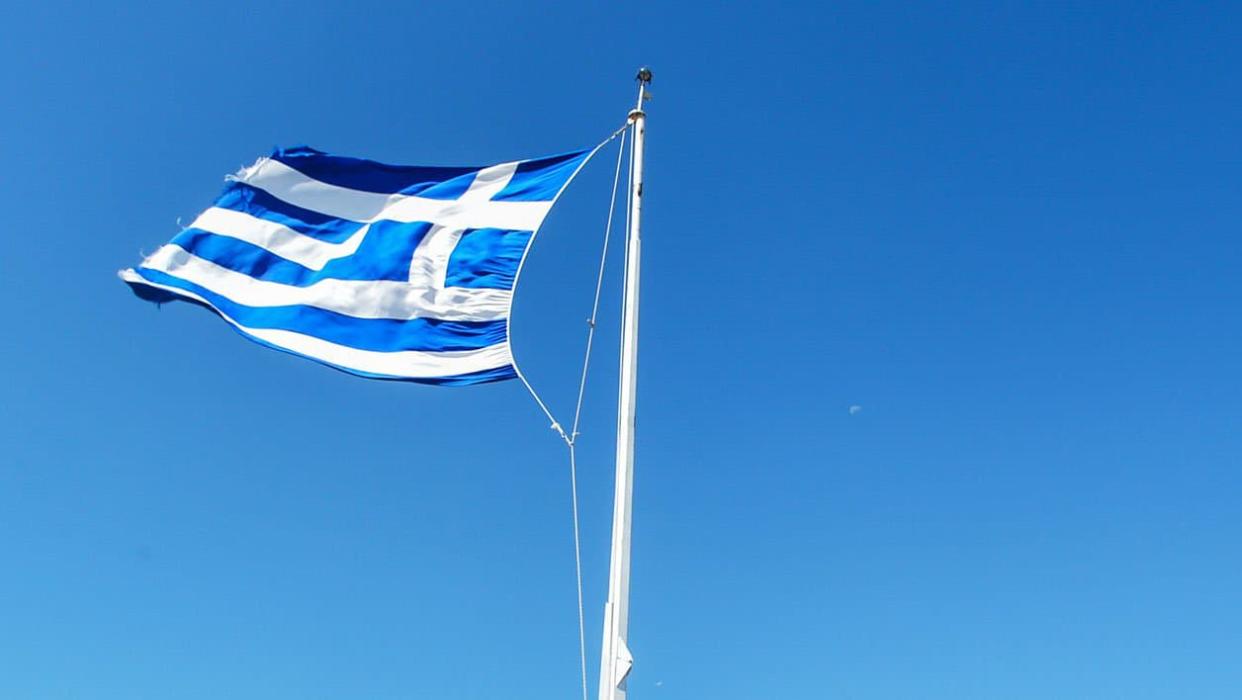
(390, 272)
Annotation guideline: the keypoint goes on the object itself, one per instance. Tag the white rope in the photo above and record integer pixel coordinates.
(573, 488)
(599, 286)
(571, 438)
(555, 424)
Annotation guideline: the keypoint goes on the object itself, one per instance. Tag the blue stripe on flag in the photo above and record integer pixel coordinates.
(375, 334)
(486, 258)
(370, 176)
(487, 376)
(384, 254)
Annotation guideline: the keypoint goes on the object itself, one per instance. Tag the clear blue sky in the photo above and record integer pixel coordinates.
(1008, 232)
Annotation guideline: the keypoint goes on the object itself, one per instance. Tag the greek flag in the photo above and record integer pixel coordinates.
(384, 271)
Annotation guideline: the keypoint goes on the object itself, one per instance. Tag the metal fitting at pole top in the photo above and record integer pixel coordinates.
(644, 79)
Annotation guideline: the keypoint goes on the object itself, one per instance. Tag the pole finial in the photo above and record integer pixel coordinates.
(644, 79)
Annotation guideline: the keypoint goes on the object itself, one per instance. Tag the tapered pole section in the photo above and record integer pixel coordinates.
(616, 660)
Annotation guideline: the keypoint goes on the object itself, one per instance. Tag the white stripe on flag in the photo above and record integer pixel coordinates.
(313, 253)
(290, 185)
(307, 251)
(361, 299)
(405, 363)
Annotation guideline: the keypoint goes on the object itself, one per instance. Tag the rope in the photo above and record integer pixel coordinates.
(555, 425)
(570, 439)
(573, 488)
(599, 286)
(571, 442)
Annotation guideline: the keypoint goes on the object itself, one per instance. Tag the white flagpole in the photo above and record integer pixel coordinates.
(615, 660)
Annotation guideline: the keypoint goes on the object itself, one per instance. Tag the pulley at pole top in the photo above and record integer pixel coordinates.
(644, 80)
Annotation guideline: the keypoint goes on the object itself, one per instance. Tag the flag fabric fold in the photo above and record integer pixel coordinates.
(388, 272)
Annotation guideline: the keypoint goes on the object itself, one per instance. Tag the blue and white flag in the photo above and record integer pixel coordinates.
(390, 272)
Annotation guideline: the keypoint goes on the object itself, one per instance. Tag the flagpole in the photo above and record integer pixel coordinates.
(615, 659)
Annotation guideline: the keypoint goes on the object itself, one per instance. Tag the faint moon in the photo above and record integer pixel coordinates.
(855, 410)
